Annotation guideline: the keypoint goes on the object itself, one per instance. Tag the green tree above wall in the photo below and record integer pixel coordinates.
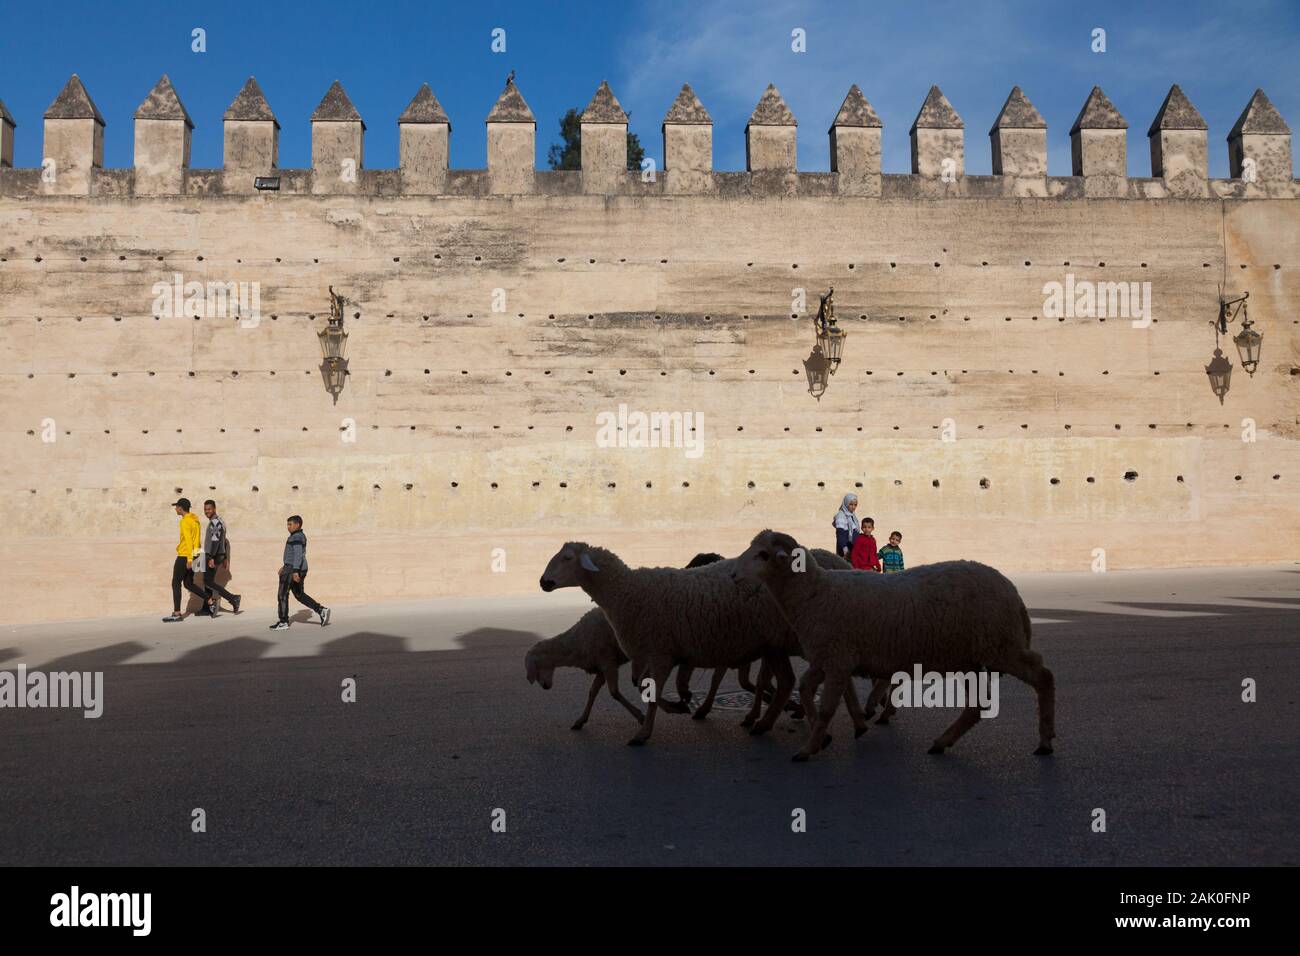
(568, 154)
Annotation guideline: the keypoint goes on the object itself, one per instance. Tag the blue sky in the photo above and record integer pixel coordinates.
(729, 51)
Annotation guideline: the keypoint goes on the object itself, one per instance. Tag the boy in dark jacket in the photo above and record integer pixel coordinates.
(293, 573)
(863, 557)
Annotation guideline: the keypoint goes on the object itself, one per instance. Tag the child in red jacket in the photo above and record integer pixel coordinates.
(863, 556)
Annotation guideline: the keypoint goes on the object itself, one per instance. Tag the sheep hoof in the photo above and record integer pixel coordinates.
(936, 749)
(800, 757)
(826, 741)
(636, 742)
(758, 730)
(699, 715)
(577, 726)
(883, 720)
(674, 707)
(748, 722)
(859, 731)
(1043, 751)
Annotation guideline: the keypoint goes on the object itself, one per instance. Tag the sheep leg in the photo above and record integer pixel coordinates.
(807, 704)
(780, 665)
(764, 689)
(880, 691)
(611, 679)
(703, 710)
(967, 719)
(825, 711)
(742, 675)
(682, 704)
(659, 669)
(851, 704)
(764, 676)
(596, 685)
(1030, 669)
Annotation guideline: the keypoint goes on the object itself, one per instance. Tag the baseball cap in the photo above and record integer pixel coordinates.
(183, 502)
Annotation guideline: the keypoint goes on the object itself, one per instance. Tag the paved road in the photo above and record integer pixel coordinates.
(248, 725)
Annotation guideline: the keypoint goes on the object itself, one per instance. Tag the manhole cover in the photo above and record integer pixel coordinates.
(740, 700)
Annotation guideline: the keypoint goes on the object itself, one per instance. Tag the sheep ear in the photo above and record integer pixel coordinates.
(587, 563)
(782, 553)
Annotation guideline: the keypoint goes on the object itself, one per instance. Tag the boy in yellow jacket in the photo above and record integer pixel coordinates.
(187, 550)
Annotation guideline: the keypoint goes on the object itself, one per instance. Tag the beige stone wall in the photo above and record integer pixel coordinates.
(476, 429)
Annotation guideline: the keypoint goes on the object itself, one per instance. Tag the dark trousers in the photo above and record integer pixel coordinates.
(181, 574)
(287, 584)
(210, 584)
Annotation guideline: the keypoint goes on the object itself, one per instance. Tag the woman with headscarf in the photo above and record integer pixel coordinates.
(846, 526)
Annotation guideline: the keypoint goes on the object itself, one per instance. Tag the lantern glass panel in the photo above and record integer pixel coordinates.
(1248, 343)
(833, 346)
(333, 341)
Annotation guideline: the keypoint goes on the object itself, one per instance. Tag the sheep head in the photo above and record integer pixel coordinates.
(570, 568)
(537, 671)
(772, 556)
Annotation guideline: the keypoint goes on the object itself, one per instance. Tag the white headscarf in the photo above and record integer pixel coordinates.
(845, 520)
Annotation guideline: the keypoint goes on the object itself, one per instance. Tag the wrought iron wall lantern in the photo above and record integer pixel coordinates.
(333, 345)
(1247, 341)
(828, 348)
(830, 337)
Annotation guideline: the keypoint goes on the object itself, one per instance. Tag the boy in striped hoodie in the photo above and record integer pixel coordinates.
(292, 574)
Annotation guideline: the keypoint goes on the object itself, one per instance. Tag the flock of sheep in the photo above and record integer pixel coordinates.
(777, 601)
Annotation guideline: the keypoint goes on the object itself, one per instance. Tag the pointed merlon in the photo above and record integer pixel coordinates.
(856, 111)
(937, 113)
(1259, 116)
(604, 107)
(1018, 113)
(424, 108)
(250, 104)
(1176, 112)
(510, 107)
(1098, 113)
(771, 110)
(163, 103)
(73, 102)
(6, 116)
(335, 107)
(687, 110)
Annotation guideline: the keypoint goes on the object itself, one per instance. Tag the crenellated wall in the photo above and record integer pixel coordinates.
(494, 314)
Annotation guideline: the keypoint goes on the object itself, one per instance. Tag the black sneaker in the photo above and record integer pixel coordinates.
(234, 603)
(215, 611)
(280, 626)
(172, 617)
(324, 616)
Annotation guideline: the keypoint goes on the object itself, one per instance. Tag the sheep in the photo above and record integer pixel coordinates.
(951, 616)
(589, 645)
(664, 617)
